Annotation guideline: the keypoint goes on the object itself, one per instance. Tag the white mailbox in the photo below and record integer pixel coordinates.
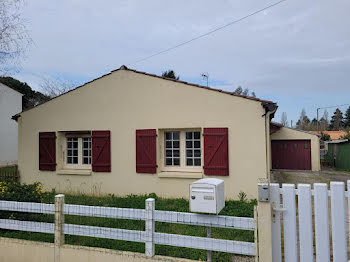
(207, 195)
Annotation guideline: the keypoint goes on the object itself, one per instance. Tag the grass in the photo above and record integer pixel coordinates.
(232, 208)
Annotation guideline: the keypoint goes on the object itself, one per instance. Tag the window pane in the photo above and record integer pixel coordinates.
(189, 153)
(169, 153)
(69, 160)
(189, 161)
(176, 153)
(175, 135)
(188, 135)
(189, 144)
(75, 160)
(197, 135)
(85, 161)
(197, 162)
(197, 144)
(176, 161)
(168, 144)
(197, 153)
(176, 144)
(168, 135)
(169, 161)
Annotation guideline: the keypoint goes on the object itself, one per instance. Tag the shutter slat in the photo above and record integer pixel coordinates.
(216, 161)
(47, 151)
(101, 151)
(146, 151)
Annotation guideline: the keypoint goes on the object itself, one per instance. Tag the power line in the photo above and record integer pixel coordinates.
(208, 33)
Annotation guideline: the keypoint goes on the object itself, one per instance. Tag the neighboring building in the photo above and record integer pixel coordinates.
(294, 149)
(130, 132)
(10, 104)
(334, 135)
(339, 155)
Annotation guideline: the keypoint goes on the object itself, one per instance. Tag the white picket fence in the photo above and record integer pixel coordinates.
(306, 223)
(149, 215)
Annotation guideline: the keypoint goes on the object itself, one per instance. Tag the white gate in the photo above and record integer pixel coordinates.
(310, 224)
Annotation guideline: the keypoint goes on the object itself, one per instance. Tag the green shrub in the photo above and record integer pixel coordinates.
(14, 191)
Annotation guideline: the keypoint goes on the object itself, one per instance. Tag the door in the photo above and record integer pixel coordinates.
(291, 154)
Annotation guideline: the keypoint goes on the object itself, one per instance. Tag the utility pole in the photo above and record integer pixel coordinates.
(206, 75)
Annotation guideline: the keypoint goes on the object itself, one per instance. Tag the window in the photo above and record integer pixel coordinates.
(172, 146)
(182, 151)
(193, 148)
(78, 152)
(72, 150)
(86, 150)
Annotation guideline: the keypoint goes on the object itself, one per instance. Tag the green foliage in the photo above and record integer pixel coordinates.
(14, 191)
(325, 137)
(243, 208)
(170, 74)
(347, 118)
(242, 196)
(31, 97)
(337, 121)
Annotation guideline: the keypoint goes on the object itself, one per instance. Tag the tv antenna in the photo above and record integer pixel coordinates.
(206, 76)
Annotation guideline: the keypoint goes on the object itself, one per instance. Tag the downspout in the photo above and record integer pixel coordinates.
(270, 109)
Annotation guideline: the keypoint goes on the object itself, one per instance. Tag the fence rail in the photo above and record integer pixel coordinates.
(149, 215)
(9, 173)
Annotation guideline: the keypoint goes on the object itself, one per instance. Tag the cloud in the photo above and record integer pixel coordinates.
(296, 49)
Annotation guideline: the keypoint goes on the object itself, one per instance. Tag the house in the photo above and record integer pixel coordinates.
(294, 149)
(130, 132)
(10, 104)
(334, 135)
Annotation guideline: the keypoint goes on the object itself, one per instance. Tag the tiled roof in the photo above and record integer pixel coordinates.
(335, 135)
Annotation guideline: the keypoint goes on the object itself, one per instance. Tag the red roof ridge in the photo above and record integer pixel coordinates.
(123, 67)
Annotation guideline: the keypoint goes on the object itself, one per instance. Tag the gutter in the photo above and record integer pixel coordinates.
(270, 110)
(16, 116)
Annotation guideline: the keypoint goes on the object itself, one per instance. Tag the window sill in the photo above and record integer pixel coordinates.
(179, 175)
(78, 172)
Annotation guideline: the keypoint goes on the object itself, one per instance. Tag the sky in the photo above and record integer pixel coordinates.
(296, 53)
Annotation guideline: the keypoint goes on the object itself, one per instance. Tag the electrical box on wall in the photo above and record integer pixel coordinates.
(207, 195)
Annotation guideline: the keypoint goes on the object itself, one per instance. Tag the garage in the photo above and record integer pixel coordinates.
(291, 154)
(294, 149)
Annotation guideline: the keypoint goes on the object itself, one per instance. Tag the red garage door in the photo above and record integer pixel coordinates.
(291, 154)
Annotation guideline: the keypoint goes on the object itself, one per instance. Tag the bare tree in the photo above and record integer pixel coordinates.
(53, 87)
(14, 37)
(284, 119)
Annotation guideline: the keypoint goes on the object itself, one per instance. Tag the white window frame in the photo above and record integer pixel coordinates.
(80, 164)
(182, 167)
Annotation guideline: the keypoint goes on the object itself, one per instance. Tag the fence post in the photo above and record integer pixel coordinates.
(264, 222)
(150, 206)
(59, 222)
(209, 253)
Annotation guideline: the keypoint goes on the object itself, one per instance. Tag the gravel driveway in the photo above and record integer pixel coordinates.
(309, 177)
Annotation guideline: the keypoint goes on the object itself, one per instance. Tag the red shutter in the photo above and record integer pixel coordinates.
(101, 151)
(146, 152)
(216, 151)
(47, 151)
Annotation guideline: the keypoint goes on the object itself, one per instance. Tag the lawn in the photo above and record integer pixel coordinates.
(232, 208)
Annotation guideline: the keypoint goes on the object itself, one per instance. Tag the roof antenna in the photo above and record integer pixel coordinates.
(206, 76)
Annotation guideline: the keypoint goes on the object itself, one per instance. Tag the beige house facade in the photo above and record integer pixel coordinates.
(130, 132)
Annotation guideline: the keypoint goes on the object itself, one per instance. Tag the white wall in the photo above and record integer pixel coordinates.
(10, 104)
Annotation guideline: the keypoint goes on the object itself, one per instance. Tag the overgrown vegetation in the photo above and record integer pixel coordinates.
(34, 193)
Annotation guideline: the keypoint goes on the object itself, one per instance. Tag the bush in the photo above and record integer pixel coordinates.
(14, 191)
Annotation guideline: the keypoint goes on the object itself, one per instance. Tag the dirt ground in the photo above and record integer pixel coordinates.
(326, 175)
